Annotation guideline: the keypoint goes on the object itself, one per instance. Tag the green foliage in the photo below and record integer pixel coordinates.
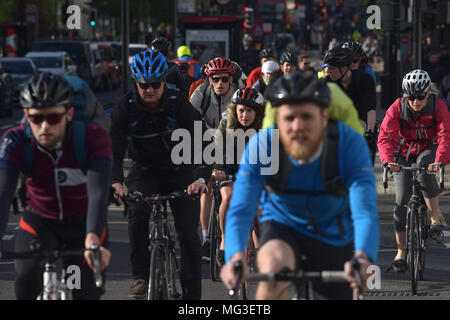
(7, 10)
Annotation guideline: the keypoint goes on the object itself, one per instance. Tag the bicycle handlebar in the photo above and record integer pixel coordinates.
(51, 256)
(414, 168)
(323, 276)
(137, 196)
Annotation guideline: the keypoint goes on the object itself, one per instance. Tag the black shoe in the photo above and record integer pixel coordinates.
(205, 252)
(398, 266)
(220, 258)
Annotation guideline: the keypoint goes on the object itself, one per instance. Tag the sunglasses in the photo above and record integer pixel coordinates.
(154, 85)
(420, 97)
(217, 79)
(51, 118)
(356, 60)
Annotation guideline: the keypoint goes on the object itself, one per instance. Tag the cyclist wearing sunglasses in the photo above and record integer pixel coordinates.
(66, 202)
(211, 99)
(148, 138)
(420, 119)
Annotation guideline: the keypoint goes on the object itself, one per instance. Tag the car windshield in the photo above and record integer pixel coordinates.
(47, 62)
(18, 66)
(135, 51)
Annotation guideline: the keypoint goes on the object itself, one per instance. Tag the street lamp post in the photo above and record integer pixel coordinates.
(417, 34)
(125, 42)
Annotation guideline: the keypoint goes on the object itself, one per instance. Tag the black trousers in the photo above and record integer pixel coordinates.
(186, 214)
(53, 235)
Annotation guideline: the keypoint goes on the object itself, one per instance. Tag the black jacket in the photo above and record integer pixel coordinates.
(146, 146)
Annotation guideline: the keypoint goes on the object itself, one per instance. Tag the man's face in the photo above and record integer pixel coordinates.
(48, 125)
(304, 64)
(336, 73)
(267, 59)
(301, 128)
(288, 68)
(151, 93)
(418, 101)
(220, 83)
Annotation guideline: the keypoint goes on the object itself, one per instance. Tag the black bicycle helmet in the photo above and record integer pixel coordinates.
(46, 90)
(267, 53)
(357, 50)
(299, 88)
(339, 57)
(161, 45)
(248, 97)
(288, 56)
(237, 71)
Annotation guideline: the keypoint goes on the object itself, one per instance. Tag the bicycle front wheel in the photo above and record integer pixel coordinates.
(157, 289)
(215, 238)
(413, 248)
(175, 292)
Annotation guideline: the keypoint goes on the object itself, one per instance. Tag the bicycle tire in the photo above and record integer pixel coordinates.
(423, 231)
(175, 291)
(157, 284)
(215, 238)
(413, 248)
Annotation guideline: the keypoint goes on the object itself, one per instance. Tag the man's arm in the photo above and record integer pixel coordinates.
(8, 184)
(360, 179)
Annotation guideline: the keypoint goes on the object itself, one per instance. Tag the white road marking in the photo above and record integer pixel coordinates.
(7, 237)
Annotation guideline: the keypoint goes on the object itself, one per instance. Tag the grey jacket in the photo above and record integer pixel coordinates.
(207, 103)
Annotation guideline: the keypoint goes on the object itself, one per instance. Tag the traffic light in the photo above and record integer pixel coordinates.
(92, 17)
(248, 17)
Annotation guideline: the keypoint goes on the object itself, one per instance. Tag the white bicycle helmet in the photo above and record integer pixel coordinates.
(415, 82)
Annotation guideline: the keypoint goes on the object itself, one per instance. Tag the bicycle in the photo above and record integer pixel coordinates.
(164, 279)
(215, 234)
(52, 288)
(417, 223)
(303, 281)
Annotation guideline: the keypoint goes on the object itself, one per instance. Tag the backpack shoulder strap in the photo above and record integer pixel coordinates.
(79, 143)
(329, 170)
(172, 109)
(132, 111)
(28, 158)
(206, 99)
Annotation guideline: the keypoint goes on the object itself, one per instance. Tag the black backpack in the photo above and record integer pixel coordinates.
(329, 173)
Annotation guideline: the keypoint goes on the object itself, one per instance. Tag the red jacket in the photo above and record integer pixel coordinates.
(432, 125)
(254, 76)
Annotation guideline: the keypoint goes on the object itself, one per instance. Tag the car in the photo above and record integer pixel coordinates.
(57, 62)
(134, 49)
(111, 73)
(6, 92)
(20, 69)
(96, 66)
(79, 51)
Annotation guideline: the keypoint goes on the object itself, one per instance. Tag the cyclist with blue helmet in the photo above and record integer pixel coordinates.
(143, 121)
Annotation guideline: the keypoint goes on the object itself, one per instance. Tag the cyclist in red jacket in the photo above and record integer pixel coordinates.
(421, 120)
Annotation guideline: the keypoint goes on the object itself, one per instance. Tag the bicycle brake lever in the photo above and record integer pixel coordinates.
(238, 269)
(355, 270)
(95, 251)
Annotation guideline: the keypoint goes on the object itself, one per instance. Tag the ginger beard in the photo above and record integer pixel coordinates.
(301, 128)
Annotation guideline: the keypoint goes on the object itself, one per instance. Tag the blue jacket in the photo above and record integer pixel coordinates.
(360, 218)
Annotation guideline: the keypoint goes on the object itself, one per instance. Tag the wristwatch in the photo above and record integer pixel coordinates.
(201, 180)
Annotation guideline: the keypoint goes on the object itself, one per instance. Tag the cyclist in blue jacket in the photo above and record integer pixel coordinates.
(303, 219)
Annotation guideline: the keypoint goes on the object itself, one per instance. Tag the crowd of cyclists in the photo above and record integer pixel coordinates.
(317, 212)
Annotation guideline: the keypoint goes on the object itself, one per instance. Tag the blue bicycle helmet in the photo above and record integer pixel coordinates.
(149, 66)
